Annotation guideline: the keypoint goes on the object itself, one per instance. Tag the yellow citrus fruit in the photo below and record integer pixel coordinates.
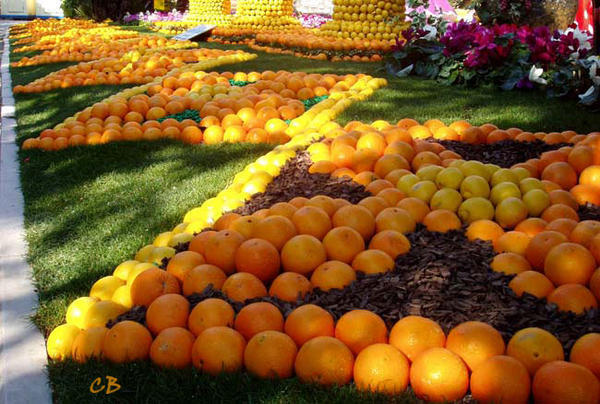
(536, 200)
(475, 186)
(474, 209)
(450, 177)
(423, 190)
(446, 198)
(77, 310)
(504, 190)
(504, 175)
(61, 340)
(510, 212)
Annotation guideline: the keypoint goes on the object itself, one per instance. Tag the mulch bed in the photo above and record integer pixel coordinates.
(295, 180)
(444, 277)
(505, 153)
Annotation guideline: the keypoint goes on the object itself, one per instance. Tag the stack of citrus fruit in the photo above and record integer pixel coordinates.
(215, 12)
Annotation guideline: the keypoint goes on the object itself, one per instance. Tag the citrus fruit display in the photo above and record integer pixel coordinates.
(80, 44)
(193, 106)
(360, 213)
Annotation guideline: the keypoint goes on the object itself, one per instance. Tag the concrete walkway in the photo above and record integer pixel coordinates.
(22, 351)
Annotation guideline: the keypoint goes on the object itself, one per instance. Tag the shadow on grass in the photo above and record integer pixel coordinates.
(144, 382)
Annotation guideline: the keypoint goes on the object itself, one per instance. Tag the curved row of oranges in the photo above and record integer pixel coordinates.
(80, 45)
(124, 70)
(37, 29)
(256, 113)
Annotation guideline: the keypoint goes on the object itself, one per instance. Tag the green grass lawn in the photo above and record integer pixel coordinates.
(88, 209)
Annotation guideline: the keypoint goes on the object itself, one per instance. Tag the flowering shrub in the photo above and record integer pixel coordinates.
(148, 17)
(507, 55)
(312, 20)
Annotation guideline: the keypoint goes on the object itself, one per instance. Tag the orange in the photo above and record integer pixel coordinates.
(585, 352)
(381, 368)
(442, 221)
(172, 348)
(242, 286)
(475, 342)
(258, 257)
(510, 263)
(182, 262)
(332, 275)
(358, 329)
(396, 219)
(275, 229)
(324, 202)
(590, 176)
(308, 321)
(595, 247)
(563, 382)
(540, 245)
(559, 211)
(595, 284)
(312, 220)
(285, 209)
(290, 286)
(413, 335)
(584, 232)
(513, 242)
(210, 313)
(391, 242)
(564, 197)
(569, 263)
(583, 193)
(170, 310)
(325, 361)
(257, 317)
(270, 355)
(372, 262)
(375, 204)
(377, 186)
(485, 230)
(560, 173)
(126, 341)
(151, 284)
(388, 163)
(357, 217)
(564, 226)
(225, 221)
(501, 379)
(244, 225)
(534, 347)
(88, 344)
(573, 297)
(220, 249)
(219, 349)
(531, 282)
(391, 195)
(343, 244)
(199, 241)
(439, 375)
(302, 254)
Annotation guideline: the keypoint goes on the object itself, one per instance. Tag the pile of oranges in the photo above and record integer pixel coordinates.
(129, 69)
(217, 12)
(267, 109)
(292, 247)
(36, 29)
(93, 43)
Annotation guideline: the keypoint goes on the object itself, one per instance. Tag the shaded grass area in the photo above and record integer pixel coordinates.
(88, 209)
(142, 382)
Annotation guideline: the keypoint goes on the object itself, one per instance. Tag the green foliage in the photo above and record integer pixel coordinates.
(101, 9)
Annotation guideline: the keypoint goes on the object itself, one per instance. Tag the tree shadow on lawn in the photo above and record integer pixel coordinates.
(89, 208)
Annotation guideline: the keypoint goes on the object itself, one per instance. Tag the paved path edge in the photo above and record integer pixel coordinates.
(23, 359)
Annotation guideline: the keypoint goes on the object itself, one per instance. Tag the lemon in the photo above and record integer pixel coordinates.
(101, 312)
(474, 186)
(406, 182)
(428, 173)
(504, 190)
(492, 168)
(160, 253)
(138, 269)
(528, 184)
(180, 238)
(123, 269)
(61, 340)
(162, 240)
(510, 212)
(423, 190)
(472, 167)
(144, 253)
(521, 172)
(536, 200)
(474, 209)
(77, 309)
(450, 177)
(122, 296)
(104, 288)
(504, 175)
(457, 163)
(446, 198)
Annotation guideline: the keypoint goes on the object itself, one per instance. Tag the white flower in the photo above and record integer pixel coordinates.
(535, 75)
(431, 32)
(589, 92)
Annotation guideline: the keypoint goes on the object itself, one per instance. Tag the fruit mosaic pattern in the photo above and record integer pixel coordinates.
(78, 44)
(254, 279)
(198, 107)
